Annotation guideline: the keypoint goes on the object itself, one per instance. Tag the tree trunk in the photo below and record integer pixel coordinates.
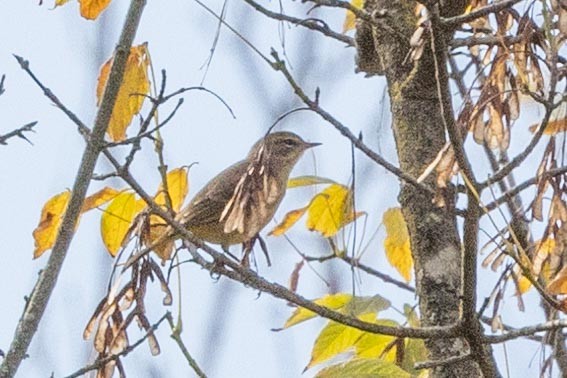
(420, 135)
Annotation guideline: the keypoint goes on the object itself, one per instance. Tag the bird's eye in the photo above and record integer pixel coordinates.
(290, 143)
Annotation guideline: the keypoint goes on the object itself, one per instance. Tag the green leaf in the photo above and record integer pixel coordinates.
(411, 315)
(363, 305)
(415, 352)
(363, 368)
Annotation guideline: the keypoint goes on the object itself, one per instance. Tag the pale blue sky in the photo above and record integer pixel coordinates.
(227, 327)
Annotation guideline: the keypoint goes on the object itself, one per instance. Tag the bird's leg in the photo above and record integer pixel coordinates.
(247, 248)
(225, 249)
(264, 249)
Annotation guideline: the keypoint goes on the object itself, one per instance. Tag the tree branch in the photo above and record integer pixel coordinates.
(19, 132)
(313, 24)
(33, 312)
(484, 11)
(176, 335)
(526, 331)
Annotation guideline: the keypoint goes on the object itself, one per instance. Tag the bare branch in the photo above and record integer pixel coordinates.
(18, 133)
(526, 331)
(24, 64)
(384, 277)
(448, 361)
(176, 335)
(310, 23)
(484, 11)
(524, 185)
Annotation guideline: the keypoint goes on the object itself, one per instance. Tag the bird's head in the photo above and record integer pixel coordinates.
(281, 149)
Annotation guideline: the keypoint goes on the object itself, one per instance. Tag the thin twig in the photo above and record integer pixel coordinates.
(19, 132)
(515, 162)
(525, 331)
(310, 23)
(477, 13)
(524, 185)
(24, 64)
(384, 277)
(176, 335)
(445, 362)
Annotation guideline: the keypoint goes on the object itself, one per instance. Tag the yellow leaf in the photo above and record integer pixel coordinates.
(59, 3)
(178, 186)
(397, 242)
(308, 180)
(542, 251)
(163, 249)
(523, 284)
(336, 338)
(99, 198)
(130, 97)
(553, 127)
(372, 345)
(350, 19)
(117, 219)
(48, 227)
(363, 368)
(90, 9)
(332, 301)
(330, 210)
(289, 220)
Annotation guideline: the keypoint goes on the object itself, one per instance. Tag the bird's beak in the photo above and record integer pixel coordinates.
(311, 145)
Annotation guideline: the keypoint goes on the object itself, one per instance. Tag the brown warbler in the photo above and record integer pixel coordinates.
(236, 204)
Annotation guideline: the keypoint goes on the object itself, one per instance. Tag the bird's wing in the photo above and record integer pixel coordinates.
(252, 202)
(208, 204)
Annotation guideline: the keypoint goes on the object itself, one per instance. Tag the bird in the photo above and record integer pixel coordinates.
(235, 205)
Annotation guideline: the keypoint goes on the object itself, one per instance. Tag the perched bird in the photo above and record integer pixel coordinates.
(236, 204)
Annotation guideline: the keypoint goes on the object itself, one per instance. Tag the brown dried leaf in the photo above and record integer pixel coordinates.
(102, 306)
(496, 324)
(491, 257)
(119, 338)
(152, 340)
(497, 263)
(168, 299)
(496, 135)
(477, 124)
(558, 209)
(558, 284)
(446, 168)
(294, 278)
(544, 248)
(102, 336)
